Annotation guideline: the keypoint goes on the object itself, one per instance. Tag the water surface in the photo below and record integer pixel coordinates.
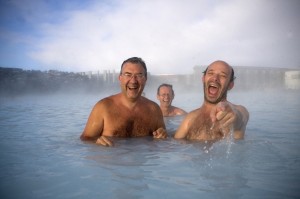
(41, 155)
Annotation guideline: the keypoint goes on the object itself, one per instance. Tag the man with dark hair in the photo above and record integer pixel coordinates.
(135, 60)
(165, 95)
(217, 117)
(126, 114)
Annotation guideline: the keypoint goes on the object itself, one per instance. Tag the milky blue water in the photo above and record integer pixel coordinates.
(41, 155)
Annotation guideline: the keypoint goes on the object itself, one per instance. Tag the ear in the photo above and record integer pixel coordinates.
(203, 79)
(230, 86)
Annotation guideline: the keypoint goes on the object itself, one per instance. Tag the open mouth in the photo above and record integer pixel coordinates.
(213, 89)
(133, 87)
(166, 102)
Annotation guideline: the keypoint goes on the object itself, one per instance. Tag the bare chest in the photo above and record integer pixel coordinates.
(124, 124)
(201, 129)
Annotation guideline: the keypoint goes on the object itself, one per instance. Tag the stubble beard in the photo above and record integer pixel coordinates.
(221, 97)
(134, 94)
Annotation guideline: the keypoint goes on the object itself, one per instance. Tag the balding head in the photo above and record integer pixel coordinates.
(224, 65)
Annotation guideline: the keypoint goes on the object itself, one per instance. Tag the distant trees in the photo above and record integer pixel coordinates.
(15, 81)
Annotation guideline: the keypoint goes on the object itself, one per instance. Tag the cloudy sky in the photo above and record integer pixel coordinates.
(172, 36)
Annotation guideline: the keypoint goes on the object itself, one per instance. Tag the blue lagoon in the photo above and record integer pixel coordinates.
(41, 155)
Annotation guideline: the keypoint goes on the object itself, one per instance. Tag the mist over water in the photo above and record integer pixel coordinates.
(43, 113)
(18, 82)
(41, 155)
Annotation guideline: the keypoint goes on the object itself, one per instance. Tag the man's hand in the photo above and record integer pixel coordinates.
(224, 113)
(160, 133)
(104, 141)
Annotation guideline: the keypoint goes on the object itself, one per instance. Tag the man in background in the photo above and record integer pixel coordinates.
(165, 95)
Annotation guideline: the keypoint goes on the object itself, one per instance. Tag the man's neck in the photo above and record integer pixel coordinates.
(130, 103)
(207, 105)
(166, 110)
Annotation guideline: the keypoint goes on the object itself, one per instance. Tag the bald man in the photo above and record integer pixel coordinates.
(217, 116)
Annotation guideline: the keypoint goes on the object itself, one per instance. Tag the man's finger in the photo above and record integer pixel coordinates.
(212, 115)
(220, 115)
(104, 141)
(229, 120)
(160, 133)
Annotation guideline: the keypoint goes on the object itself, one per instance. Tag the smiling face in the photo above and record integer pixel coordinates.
(165, 96)
(132, 80)
(216, 82)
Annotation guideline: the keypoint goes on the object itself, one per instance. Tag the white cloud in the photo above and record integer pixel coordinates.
(172, 36)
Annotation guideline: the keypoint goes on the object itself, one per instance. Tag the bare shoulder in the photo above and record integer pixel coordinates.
(186, 124)
(107, 101)
(150, 112)
(95, 124)
(193, 117)
(149, 103)
(104, 107)
(194, 113)
(243, 110)
(179, 111)
(144, 99)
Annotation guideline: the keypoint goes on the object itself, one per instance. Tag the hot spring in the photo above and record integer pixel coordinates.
(43, 157)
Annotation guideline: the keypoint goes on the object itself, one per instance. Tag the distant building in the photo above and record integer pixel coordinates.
(250, 77)
(292, 79)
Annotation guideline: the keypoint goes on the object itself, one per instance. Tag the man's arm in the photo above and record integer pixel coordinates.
(182, 130)
(242, 117)
(95, 124)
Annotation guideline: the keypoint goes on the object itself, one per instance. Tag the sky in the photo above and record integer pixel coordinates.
(171, 36)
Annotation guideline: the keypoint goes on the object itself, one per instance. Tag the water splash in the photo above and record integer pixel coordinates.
(212, 126)
(229, 142)
(208, 147)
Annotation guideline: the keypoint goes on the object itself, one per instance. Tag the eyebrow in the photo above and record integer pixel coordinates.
(212, 70)
(133, 73)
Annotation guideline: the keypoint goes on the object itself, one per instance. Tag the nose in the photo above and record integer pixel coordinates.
(165, 95)
(134, 78)
(215, 77)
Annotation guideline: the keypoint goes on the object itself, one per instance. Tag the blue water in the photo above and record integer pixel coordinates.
(41, 155)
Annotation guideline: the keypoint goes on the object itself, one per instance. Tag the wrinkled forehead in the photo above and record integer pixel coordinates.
(165, 89)
(133, 67)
